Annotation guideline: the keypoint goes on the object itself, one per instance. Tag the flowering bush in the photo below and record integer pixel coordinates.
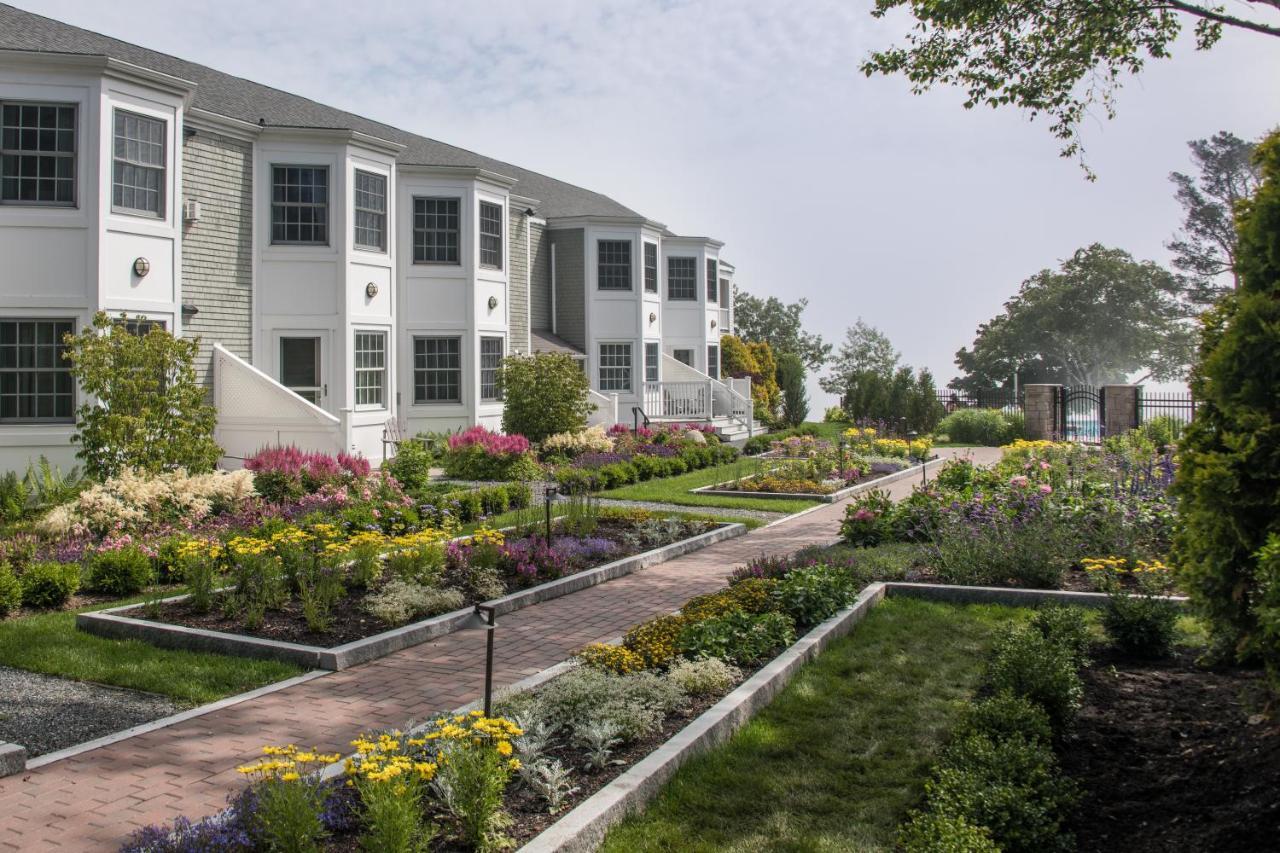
(590, 440)
(611, 658)
(136, 501)
(287, 473)
(480, 454)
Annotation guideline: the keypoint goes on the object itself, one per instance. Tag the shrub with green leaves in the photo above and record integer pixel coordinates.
(931, 832)
(987, 427)
(49, 584)
(635, 703)
(1141, 624)
(544, 394)
(122, 571)
(144, 406)
(810, 595)
(1005, 715)
(411, 466)
(742, 638)
(1229, 471)
(1067, 627)
(1011, 787)
(705, 677)
(1028, 664)
(10, 590)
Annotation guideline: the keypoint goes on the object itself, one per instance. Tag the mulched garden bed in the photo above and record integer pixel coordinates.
(351, 621)
(827, 486)
(1174, 757)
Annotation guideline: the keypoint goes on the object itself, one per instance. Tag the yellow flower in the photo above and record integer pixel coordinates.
(504, 748)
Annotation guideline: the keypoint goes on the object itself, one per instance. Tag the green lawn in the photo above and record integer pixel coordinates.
(835, 762)
(51, 644)
(675, 490)
(515, 516)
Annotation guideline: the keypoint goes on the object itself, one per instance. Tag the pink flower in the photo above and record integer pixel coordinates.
(1018, 481)
(1046, 489)
(1044, 466)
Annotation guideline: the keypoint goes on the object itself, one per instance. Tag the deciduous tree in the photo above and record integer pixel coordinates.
(779, 325)
(1057, 57)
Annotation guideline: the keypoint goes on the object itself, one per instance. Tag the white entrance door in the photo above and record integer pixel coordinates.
(302, 366)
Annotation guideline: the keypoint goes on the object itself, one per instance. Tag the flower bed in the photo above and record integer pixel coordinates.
(810, 479)
(303, 585)
(562, 741)
(1030, 519)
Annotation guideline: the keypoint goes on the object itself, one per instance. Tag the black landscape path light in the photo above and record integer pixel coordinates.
(549, 497)
(483, 618)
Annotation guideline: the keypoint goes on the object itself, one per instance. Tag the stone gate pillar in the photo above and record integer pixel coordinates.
(1040, 405)
(1120, 408)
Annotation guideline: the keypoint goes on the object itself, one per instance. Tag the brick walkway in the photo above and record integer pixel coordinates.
(92, 801)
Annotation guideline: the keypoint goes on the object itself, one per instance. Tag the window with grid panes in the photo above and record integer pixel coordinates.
(713, 361)
(138, 164)
(615, 367)
(682, 278)
(490, 235)
(724, 291)
(490, 363)
(613, 264)
(437, 370)
(371, 369)
(651, 267)
(300, 205)
(435, 230)
(37, 154)
(371, 211)
(35, 380)
(651, 361)
(712, 273)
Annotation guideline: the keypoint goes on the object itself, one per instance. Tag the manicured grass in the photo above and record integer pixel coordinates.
(50, 643)
(836, 761)
(538, 515)
(675, 490)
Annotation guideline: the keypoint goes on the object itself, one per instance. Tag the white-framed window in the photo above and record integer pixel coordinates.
(35, 381)
(651, 355)
(713, 278)
(651, 267)
(138, 165)
(490, 364)
(437, 369)
(615, 367)
(682, 278)
(490, 235)
(713, 361)
(724, 291)
(613, 264)
(684, 356)
(371, 211)
(371, 369)
(300, 205)
(436, 230)
(37, 154)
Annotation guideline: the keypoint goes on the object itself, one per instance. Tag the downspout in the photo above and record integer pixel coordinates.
(528, 280)
(555, 318)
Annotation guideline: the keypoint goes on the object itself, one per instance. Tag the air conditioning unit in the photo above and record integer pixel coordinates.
(191, 210)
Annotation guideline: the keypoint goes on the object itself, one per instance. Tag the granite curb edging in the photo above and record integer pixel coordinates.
(113, 622)
(13, 759)
(834, 497)
(584, 827)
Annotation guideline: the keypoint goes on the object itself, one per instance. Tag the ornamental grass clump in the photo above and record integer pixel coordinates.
(290, 798)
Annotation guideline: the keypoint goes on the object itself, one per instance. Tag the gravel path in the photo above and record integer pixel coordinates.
(45, 713)
(709, 510)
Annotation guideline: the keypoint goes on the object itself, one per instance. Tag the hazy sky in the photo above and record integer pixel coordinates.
(749, 122)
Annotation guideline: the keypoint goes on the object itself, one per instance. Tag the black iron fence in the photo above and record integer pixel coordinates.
(1178, 405)
(1001, 398)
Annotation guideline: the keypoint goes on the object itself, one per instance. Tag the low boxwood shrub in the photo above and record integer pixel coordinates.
(1140, 624)
(1028, 664)
(1065, 626)
(10, 590)
(122, 571)
(1012, 787)
(741, 638)
(1006, 715)
(49, 584)
(931, 832)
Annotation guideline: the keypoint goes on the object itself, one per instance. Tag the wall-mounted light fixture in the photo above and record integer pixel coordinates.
(371, 290)
(141, 266)
(713, 324)
(653, 318)
(493, 302)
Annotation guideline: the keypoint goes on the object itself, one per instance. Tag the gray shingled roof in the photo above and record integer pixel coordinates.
(248, 101)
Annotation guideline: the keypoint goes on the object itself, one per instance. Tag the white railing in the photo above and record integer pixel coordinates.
(684, 400)
(606, 411)
(256, 411)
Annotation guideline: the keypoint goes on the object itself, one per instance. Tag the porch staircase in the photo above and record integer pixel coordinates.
(689, 395)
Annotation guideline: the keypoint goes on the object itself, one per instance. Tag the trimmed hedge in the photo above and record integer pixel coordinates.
(988, 427)
(641, 467)
(466, 505)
